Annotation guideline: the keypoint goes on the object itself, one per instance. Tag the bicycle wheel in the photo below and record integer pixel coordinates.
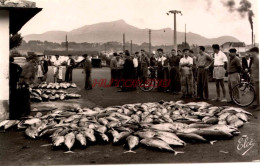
(243, 94)
(147, 86)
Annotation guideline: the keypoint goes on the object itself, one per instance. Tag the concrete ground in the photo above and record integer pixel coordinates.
(16, 149)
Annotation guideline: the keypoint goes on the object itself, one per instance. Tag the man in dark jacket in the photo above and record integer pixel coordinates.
(128, 70)
(69, 69)
(247, 62)
(15, 72)
(175, 85)
(45, 68)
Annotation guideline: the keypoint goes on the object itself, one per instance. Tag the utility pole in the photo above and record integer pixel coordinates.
(67, 45)
(105, 49)
(185, 37)
(123, 42)
(150, 44)
(254, 40)
(174, 12)
(131, 48)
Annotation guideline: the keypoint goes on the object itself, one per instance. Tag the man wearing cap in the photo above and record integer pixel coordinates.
(234, 68)
(220, 66)
(204, 62)
(186, 64)
(70, 65)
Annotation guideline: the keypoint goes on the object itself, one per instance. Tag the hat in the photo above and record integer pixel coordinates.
(232, 50)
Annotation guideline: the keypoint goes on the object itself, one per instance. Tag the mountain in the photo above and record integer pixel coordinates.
(113, 31)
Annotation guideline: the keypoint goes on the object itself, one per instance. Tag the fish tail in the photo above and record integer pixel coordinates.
(46, 145)
(69, 152)
(212, 142)
(129, 151)
(177, 152)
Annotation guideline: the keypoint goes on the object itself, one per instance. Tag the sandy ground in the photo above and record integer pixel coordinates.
(16, 149)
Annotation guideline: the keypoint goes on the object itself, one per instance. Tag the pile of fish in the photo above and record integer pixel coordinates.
(52, 91)
(51, 85)
(162, 125)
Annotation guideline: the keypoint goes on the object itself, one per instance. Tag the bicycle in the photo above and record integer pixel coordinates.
(150, 81)
(243, 94)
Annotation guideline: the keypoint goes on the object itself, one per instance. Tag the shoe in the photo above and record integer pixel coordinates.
(224, 100)
(215, 99)
(230, 102)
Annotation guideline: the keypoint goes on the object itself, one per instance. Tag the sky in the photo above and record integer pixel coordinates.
(209, 18)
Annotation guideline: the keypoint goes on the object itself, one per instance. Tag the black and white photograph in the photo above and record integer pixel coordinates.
(86, 82)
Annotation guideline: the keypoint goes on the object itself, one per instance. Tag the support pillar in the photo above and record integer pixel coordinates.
(4, 64)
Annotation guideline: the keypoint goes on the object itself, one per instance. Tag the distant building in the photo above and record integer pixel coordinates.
(239, 46)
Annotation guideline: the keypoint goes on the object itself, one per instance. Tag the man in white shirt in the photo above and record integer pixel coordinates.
(220, 66)
(186, 74)
(57, 69)
(135, 61)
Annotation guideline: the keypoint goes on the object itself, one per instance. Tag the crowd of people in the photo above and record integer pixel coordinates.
(186, 72)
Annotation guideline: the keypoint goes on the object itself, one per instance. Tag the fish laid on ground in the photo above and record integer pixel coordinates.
(113, 124)
(191, 137)
(31, 132)
(89, 134)
(242, 116)
(170, 135)
(71, 118)
(236, 123)
(58, 141)
(156, 143)
(209, 133)
(145, 134)
(104, 137)
(103, 121)
(121, 136)
(57, 132)
(232, 118)
(168, 126)
(47, 132)
(169, 140)
(10, 124)
(69, 141)
(101, 129)
(81, 138)
(3, 123)
(237, 110)
(226, 128)
(211, 120)
(32, 121)
(115, 135)
(132, 142)
(199, 125)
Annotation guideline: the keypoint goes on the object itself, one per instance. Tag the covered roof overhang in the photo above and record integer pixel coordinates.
(19, 16)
